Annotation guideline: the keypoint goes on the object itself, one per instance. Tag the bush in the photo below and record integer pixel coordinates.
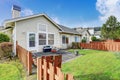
(5, 50)
(4, 38)
(93, 38)
(75, 45)
(84, 40)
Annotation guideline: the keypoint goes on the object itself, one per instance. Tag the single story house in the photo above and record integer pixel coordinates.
(35, 31)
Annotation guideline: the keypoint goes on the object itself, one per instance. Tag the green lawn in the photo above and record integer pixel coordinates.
(11, 70)
(94, 65)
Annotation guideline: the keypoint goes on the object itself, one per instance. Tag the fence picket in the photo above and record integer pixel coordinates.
(48, 73)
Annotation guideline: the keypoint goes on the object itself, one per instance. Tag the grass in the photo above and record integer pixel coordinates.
(12, 70)
(94, 65)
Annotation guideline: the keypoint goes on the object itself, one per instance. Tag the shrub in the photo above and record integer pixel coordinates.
(5, 50)
(4, 38)
(75, 45)
(83, 40)
(93, 38)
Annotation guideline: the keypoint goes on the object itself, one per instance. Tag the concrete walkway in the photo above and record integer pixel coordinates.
(65, 55)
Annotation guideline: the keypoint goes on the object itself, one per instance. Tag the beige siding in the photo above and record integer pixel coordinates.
(31, 25)
(86, 35)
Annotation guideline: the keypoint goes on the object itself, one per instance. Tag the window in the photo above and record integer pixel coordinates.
(76, 39)
(42, 28)
(65, 40)
(51, 39)
(31, 40)
(42, 38)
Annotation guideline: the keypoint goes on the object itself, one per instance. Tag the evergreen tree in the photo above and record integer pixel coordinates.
(111, 29)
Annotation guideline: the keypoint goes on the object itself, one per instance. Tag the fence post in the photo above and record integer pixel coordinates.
(39, 69)
(29, 63)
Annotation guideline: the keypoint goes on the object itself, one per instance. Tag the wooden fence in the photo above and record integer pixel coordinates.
(107, 46)
(49, 68)
(25, 57)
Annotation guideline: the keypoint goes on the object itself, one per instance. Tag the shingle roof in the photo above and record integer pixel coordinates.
(97, 33)
(61, 27)
(68, 30)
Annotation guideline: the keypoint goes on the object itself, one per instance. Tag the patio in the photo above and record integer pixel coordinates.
(66, 56)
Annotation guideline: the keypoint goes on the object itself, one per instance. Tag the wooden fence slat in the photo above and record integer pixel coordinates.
(45, 69)
(51, 71)
(29, 63)
(39, 69)
(69, 77)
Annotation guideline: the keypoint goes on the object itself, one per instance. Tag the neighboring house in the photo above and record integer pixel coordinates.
(7, 31)
(85, 34)
(97, 34)
(35, 31)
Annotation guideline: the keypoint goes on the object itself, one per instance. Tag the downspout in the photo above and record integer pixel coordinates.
(14, 50)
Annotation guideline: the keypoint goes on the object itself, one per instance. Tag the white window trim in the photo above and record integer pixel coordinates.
(53, 39)
(77, 39)
(38, 38)
(65, 39)
(36, 41)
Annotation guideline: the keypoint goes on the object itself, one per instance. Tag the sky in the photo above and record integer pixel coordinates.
(71, 13)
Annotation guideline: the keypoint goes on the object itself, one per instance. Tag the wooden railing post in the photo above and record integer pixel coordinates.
(39, 69)
(29, 63)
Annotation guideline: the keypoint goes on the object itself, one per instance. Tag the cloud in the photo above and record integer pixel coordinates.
(93, 23)
(27, 12)
(56, 20)
(108, 8)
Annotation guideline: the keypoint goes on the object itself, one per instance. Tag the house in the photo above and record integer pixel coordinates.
(7, 31)
(88, 32)
(85, 33)
(35, 31)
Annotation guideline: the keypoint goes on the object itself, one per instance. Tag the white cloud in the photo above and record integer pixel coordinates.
(108, 8)
(93, 23)
(56, 20)
(27, 12)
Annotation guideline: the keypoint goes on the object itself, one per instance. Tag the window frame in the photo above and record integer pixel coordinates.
(66, 39)
(31, 40)
(53, 39)
(42, 39)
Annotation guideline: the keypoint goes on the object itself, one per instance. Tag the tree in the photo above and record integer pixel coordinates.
(110, 30)
(4, 38)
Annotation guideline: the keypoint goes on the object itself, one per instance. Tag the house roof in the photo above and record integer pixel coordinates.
(60, 27)
(28, 17)
(68, 30)
(81, 31)
(97, 33)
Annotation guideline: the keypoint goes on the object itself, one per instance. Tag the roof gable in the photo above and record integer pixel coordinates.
(32, 16)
